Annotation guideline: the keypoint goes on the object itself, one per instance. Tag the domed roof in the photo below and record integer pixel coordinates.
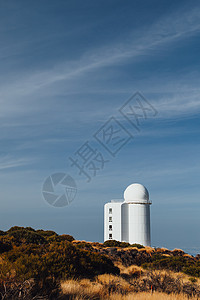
(136, 192)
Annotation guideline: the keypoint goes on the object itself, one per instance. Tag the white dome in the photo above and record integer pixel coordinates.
(136, 192)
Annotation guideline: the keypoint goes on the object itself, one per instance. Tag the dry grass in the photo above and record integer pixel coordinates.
(132, 271)
(184, 277)
(82, 289)
(187, 255)
(136, 271)
(113, 283)
(131, 284)
(129, 270)
(149, 296)
(146, 249)
(86, 289)
(161, 250)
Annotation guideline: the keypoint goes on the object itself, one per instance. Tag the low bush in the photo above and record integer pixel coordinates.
(57, 260)
(137, 246)
(5, 244)
(114, 243)
(26, 236)
(183, 264)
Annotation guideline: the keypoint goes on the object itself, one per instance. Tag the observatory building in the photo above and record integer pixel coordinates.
(129, 220)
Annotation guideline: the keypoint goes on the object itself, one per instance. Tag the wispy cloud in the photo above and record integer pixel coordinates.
(8, 162)
(169, 29)
(27, 92)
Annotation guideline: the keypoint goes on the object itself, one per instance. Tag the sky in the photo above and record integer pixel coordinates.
(67, 69)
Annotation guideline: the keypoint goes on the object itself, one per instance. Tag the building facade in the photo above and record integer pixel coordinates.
(128, 220)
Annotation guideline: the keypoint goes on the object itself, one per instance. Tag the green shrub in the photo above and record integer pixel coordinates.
(114, 243)
(5, 245)
(46, 233)
(192, 270)
(26, 236)
(64, 237)
(139, 246)
(15, 228)
(57, 260)
(162, 262)
(174, 263)
(84, 245)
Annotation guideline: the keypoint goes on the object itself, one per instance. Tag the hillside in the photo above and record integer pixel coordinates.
(45, 265)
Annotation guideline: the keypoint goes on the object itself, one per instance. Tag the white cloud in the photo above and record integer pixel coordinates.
(24, 93)
(8, 162)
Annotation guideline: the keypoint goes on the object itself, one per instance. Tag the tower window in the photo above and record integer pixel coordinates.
(110, 210)
(110, 227)
(110, 219)
(110, 236)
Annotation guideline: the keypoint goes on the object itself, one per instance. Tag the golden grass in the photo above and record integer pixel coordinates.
(112, 287)
(82, 289)
(117, 282)
(162, 249)
(128, 270)
(184, 277)
(177, 250)
(149, 296)
(187, 255)
(132, 271)
(86, 289)
(137, 271)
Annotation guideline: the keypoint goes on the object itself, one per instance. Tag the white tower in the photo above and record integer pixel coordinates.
(129, 221)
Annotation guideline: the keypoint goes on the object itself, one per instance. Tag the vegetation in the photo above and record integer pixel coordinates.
(47, 258)
(175, 263)
(113, 243)
(41, 264)
(150, 285)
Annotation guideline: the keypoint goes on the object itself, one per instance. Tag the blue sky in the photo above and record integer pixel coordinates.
(66, 68)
